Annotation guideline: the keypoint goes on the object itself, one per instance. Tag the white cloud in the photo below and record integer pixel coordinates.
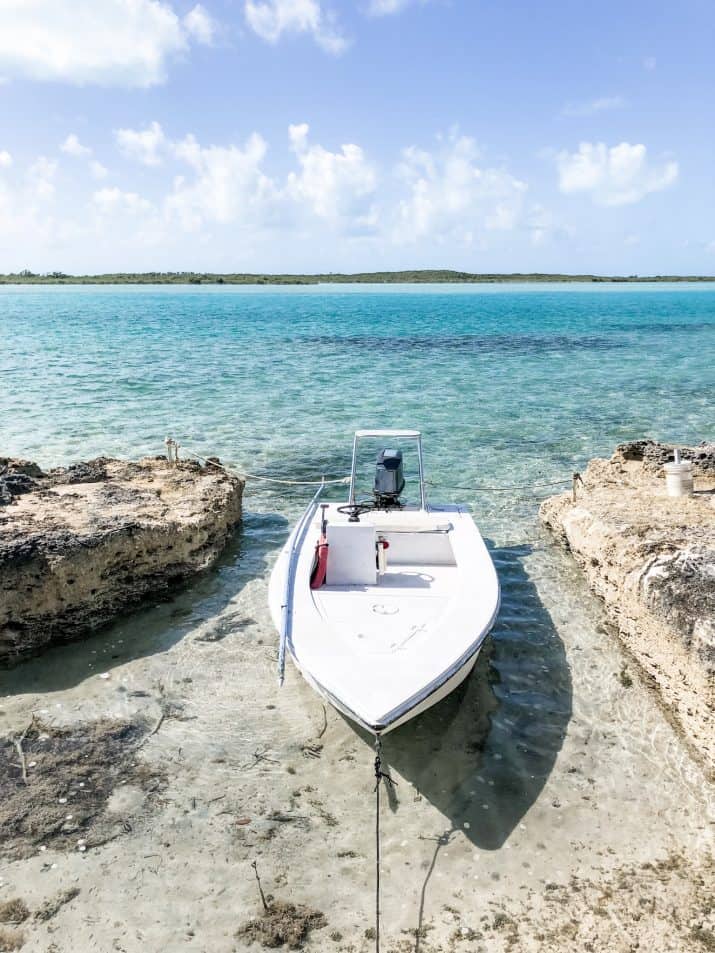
(229, 185)
(450, 195)
(213, 205)
(200, 24)
(125, 220)
(619, 175)
(97, 170)
(542, 225)
(593, 106)
(5, 159)
(270, 19)
(110, 200)
(73, 147)
(383, 8)
(27, 211)
(108, 42)
(144, 145)
(331, 184)
(40, 177)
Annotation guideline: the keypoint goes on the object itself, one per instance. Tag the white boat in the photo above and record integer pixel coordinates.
(383, 605)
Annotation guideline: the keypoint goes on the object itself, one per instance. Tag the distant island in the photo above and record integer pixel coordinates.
(369, 277)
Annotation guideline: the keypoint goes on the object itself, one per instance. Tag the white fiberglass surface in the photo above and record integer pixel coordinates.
(390, 617)
(375, 646)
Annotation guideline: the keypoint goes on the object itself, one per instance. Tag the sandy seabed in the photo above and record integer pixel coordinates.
(546, 805)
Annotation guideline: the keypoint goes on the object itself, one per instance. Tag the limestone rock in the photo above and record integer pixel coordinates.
(80, 544)
(653, 455)
(652, 560)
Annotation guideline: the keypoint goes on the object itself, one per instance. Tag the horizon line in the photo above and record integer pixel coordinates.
(405, 276)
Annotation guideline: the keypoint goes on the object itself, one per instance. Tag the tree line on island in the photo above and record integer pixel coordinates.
(372, 277)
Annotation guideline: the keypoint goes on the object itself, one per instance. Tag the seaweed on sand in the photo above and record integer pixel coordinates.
(282, 924)
(55, 784)
(10, 940)
(14, 911)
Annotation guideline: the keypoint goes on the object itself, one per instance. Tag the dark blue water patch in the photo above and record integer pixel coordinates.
(505, 344)
(662, 327)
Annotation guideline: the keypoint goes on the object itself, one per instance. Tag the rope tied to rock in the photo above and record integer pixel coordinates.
(501, 489)
(173, 457)
(380, 776)
(245, 475)
(577, 478)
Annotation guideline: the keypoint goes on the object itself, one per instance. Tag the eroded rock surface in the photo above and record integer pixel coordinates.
(82, 543)
(652, 560)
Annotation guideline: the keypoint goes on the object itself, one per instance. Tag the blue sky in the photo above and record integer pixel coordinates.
(305, 135)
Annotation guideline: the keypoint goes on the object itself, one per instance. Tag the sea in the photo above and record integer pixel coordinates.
(509, 384)
(513, 387)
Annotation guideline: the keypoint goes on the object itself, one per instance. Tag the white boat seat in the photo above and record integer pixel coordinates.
(351, 555)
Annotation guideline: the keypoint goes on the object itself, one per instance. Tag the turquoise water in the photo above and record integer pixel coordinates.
(509, 384)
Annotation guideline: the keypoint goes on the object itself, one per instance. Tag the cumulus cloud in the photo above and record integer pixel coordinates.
(5, 159)
(143, 145)
(382, 8)
(330, 184)
(593, 106)
(73, 147)
(227, 197)
(112, 42)
(229, 184)
(619, 175)
(97, 170)
(270, 19)
(451, 195)
(200, 24)
(41, 178)
(111, 200)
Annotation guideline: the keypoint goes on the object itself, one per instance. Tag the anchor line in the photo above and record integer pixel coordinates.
(380, 775)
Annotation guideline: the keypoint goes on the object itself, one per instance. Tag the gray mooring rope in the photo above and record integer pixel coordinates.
(380, 775)
(501, 489)
(245, 475)
(173, 456)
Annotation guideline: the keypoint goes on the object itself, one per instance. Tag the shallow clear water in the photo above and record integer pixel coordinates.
(510, 385)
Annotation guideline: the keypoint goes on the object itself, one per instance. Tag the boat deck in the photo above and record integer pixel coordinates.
(406, 602)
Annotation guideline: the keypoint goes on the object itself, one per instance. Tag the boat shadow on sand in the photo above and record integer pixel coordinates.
(483, 755)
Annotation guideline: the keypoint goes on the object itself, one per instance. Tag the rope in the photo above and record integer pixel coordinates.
(380, 775)
(512, 486)
(244, 474)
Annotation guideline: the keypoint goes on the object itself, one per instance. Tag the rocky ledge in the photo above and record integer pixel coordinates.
(82, 543)
(651, 558)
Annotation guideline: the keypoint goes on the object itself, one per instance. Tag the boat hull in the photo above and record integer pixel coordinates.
(400, 717)
(383, 645)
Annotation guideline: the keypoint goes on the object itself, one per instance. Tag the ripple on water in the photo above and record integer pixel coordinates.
(542, 745)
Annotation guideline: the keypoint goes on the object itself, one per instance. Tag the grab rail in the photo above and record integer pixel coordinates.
(287, 607)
